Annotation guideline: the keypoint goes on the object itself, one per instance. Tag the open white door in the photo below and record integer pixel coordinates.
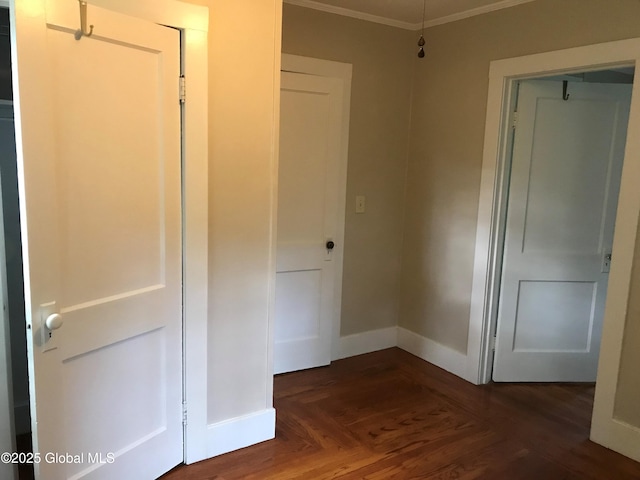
(98, 141)
(310, 200)
(565, 177)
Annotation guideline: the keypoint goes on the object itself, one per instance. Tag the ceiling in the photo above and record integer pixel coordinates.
(408, 13)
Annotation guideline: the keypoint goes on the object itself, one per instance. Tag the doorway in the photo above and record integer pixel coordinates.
(561, 188)
(503, 75)
(314, 129)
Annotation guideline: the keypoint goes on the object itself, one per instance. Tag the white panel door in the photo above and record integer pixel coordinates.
(566, 168)
(98, 128)
(308, 203)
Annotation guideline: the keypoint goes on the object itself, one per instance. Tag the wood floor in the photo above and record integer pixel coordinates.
(389, 415)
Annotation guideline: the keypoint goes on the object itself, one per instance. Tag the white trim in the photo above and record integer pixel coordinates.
(605, 428)
(343, 72)
(433, 352)
(428, 350)
(616, 435)
(315, 66)
(346, 12)
(470, 13)
(196, 240)
(367, 342)
(240, 432)
(273, 210)
(193, 20)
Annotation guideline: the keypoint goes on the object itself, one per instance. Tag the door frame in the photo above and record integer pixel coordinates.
(503, 75)
(193, 23)
(505, 190)
(342, 72)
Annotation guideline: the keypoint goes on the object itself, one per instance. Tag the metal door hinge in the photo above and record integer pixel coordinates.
(183, 89)
(492, 343)
(184, 413)
(514, 121)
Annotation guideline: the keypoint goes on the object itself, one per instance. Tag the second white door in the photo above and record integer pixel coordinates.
(565, 177)
(310, 200)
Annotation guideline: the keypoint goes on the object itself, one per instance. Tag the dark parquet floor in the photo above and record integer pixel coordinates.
(389, 415)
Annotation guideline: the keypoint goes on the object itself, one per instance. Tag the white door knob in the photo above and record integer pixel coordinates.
(53, 321)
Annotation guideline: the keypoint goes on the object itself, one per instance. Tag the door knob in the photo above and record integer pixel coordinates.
(53, 321)
(330, 245)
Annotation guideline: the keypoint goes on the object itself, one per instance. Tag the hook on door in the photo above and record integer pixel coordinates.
(82, 32)
(565, 95)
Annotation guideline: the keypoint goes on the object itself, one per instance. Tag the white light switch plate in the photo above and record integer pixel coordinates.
(360, 203)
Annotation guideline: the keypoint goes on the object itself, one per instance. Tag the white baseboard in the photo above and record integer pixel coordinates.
(433, 352)
(22, 418)
(367, 342)
(240, 432)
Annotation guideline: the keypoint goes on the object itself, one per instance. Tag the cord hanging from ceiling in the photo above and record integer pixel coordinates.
(421, 41)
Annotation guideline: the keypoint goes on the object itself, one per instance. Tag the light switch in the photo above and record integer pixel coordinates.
(360, 203)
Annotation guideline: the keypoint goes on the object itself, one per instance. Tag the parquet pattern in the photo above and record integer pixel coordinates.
(390, 416)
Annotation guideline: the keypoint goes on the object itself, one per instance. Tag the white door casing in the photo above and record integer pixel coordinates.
(99, 172)
(565, 172)
(310, 200)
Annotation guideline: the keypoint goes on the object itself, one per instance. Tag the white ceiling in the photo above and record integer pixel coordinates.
(408, 13)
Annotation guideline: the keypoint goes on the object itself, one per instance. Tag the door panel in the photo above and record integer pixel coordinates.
(554, 316)
(308, 200)
(566, 168)
(562, 153)
(101, 198)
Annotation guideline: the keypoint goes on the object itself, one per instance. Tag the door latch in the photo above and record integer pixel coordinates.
(606, 261)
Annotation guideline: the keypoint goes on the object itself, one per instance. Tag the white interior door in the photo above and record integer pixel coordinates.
(309, 202)
(566, 168)
(98, 130)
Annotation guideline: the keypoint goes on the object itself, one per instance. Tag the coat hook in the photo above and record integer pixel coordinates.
(565, 95)
(82, 32)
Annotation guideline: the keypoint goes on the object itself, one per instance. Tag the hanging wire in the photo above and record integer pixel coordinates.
(421, 41)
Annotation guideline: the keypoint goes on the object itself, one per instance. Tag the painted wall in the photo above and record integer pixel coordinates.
(446, 141)
(244, 56)
(380, 107)
(445, 154)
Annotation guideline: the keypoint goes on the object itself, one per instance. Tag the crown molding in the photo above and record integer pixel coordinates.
(406, 25)
(470, 13)
(345, 12)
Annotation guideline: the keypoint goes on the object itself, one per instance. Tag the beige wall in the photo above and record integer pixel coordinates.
(628, 393)
(446, 141)
(380, 97)
(244, 55)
